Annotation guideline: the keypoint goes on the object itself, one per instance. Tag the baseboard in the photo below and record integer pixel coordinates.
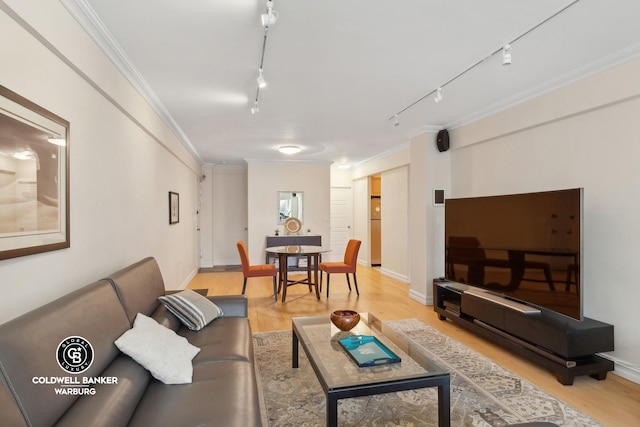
(420, 297)
(188, 280)
(394, 275)
(624, 369)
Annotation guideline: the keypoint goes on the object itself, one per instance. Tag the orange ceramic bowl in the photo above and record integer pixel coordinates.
(345, 320)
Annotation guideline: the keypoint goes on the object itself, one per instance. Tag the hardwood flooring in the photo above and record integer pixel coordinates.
(612, 402)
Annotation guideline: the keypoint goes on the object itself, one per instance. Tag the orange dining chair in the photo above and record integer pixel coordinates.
(348, 266)
(259, 270)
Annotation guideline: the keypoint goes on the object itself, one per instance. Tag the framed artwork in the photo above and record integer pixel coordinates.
(174, 207)
(34, 178)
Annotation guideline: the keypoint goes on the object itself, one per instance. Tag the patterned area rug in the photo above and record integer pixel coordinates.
(483, 394)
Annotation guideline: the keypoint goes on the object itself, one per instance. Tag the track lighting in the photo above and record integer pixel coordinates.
(438, 96)
(56, 140)
(255, 108)
(261, 81)
(270, 17)
(506, 54)
(396, 120)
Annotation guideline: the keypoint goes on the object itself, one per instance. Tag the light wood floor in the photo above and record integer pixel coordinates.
(612, 402)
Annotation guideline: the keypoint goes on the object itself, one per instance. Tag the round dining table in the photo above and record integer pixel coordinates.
(312, 253)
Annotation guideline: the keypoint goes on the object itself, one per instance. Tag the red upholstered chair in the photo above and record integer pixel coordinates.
(348, 266)
(260, 270)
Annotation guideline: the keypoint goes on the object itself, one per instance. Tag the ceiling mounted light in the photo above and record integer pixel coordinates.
(506, 54)
(438, 96)
(261, 81)
(289, 149)
(396, 120)
(24, 155)
(255, 108)
(271, 16)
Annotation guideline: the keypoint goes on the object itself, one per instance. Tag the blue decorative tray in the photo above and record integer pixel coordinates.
(366, 350)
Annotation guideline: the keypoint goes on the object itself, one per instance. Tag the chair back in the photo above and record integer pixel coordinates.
(244, 256)
(351, 253)
(465, 247)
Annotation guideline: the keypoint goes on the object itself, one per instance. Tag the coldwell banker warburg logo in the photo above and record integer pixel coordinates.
(74, 355)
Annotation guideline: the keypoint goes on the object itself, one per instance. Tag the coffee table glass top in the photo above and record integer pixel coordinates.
(336, 369)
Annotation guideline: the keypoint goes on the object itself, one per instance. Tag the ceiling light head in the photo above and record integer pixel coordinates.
(506, 54)
(289, 149)
(270, 17)
(261, 81)
(24, 155)
(438, 96)
(396, 120)
(256, 108)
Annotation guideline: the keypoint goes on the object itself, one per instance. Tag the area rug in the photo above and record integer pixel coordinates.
(483, 394)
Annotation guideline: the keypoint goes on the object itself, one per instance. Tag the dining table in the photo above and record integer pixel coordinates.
(313, 255)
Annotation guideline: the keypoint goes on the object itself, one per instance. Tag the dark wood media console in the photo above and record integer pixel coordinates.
(562, 345)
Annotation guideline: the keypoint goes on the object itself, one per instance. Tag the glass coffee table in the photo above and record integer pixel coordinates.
(341, 378)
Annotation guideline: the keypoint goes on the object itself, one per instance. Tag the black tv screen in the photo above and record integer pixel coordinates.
(527, 247)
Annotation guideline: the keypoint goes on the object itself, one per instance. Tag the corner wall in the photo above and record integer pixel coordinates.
(123, 162)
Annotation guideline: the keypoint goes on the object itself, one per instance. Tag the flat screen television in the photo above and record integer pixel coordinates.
(525, 247)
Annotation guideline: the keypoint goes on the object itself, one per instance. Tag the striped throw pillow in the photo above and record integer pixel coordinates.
(194, 310)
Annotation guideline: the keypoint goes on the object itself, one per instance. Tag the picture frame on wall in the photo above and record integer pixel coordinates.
(34, 178)
(174, 207)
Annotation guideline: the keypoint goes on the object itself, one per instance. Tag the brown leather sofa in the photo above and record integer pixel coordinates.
(35, 390)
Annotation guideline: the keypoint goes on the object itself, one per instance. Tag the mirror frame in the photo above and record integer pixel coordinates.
(22, 117)
(282, 195)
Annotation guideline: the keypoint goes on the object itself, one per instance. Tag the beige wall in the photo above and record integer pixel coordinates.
(583, 135)
(265, 179)
(123, 162)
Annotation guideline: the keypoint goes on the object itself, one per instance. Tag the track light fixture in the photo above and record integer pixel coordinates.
(255, 108)
(506, 54)
(438, 96)
(261, 81)
(270, 17)
(506, 60)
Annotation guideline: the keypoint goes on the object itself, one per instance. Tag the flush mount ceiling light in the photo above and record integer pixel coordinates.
(261, 81)
(506, 54)
(289, 149)
(270, 17)
(438, 96)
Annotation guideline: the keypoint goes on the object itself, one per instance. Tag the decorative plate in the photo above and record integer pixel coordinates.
(292, 225)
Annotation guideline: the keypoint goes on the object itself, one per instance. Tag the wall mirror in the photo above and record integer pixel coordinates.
(290, 204)
(34, 178)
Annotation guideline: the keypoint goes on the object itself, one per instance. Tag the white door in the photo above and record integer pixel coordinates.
(341, 218)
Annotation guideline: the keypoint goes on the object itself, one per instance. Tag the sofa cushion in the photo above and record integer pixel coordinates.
(160, 350)
(28, 347)
(139, 286)
(194, 310)
(228, 338)
(112, 404)
(226, 396)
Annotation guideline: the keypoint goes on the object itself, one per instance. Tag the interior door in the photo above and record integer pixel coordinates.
(341, 218)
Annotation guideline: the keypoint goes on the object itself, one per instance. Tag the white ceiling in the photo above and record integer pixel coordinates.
(338, 70)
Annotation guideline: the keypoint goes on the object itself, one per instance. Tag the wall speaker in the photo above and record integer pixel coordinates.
(438, 197)
(442, 140)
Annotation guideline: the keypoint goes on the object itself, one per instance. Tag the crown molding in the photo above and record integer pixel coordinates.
(89, 20)
(619, 57)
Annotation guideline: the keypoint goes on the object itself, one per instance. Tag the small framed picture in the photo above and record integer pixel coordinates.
(174, 207)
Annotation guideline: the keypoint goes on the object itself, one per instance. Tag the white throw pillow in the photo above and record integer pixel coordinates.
(194, 310)
(160, 350)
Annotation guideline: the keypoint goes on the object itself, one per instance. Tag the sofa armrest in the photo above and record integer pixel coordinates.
(232, 305)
